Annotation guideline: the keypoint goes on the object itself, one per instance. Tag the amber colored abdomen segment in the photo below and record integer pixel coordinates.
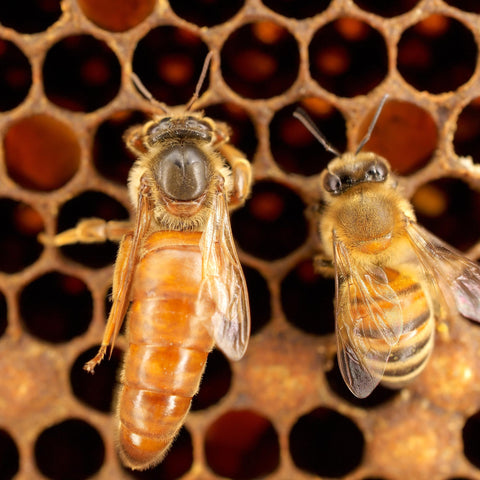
(167, 351)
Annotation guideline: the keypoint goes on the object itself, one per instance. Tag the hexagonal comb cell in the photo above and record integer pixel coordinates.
(81, 73)
(41, 15)
(242, 444)
(326, 443)
(21, 224)
(348, 57)
(168, 61)
(65, 318)
(41, 152)
(272, 223)
(438, 54)
(75, 441)
(260, 60)
(467, 134)
(307, 300)
(206, 12)
(293, 9)
(115, 16)
(387, 9)
(9, 457)
(15, 75)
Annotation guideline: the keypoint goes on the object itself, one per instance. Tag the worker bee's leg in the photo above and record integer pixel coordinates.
(241, 173)
(90, 230)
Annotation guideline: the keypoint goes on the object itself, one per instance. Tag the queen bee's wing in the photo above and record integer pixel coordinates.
(224, 282)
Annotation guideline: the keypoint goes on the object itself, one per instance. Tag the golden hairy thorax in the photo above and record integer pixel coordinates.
(367, 217)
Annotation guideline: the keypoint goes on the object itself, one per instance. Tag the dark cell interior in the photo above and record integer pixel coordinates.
(348, 57)
(81, 73)
(260, 60)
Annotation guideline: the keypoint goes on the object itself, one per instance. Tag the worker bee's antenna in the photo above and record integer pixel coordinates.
(367, 136)
(303, 116)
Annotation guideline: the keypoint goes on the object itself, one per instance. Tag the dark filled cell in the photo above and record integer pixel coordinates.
(242, 445)
(438, 54)
(260, 60)
(111, 156)
(117, 16)
(70, 450)
(450, 210)
(307, 300)
(41, 153)
(168, 60)
(216, 381)
(9, 456)
(471, 439)
(21, 225)
(56, 307)
(81, 73)
(271, 224)
(259, 296)
(467, 5)
(387, 9)
(206, 13)
(467, 133)
(30, 16)
(348, 57)
(96, 390)
(326, 443)
(178, 461)
(3, 314)
(15, 74)
(87, 205)
(295, 9)
(243, 134)
(294, 148)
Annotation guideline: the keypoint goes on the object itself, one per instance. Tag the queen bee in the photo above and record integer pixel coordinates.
(177, 269)
(394, 280)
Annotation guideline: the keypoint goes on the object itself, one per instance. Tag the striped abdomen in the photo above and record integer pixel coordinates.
(167, 350)
(409, 356)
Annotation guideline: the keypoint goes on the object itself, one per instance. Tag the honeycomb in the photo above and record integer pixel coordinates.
(282, 412)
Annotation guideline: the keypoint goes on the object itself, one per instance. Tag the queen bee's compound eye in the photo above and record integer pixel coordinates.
(158, 129)
(178, 269)
(389, 271)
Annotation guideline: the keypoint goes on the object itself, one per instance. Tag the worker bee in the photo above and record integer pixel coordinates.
(177, 270)
(394, 279)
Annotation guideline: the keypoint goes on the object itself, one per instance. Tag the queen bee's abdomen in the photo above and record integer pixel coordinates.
(167, 350)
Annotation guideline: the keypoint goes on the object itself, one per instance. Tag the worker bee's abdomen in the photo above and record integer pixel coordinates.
(409, 355)
(168, 348)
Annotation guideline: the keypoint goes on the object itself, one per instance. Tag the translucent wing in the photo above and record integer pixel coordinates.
(369, 321)
(455, 274)
(223, 281)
